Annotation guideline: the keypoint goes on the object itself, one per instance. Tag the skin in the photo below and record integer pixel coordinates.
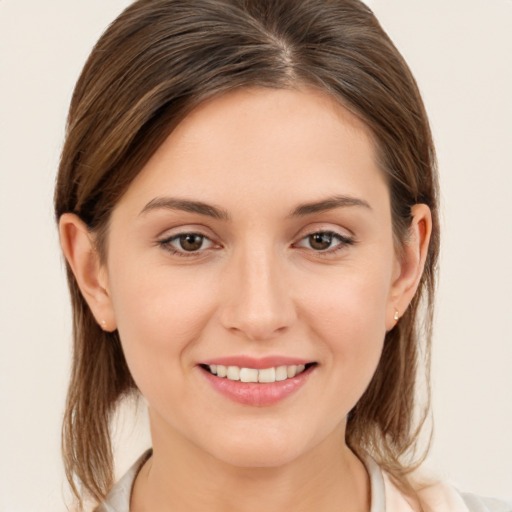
(256, 286)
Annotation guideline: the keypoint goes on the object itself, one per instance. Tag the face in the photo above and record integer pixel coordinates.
(257, 241)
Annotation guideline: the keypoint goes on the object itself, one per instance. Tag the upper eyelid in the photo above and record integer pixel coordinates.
(343, 239)
(171, 238)
(200, 230)
(195, 229)
(179, 235)
(335, 234)
(324, 228)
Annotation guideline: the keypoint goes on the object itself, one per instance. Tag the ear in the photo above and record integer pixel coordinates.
(410, 264)
(80, 252)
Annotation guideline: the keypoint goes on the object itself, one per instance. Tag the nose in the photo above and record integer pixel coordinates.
(258, 303)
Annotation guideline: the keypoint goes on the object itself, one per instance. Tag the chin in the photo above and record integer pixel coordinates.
(257, 456)
(257, 448)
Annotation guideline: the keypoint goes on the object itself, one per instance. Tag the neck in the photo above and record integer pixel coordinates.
(183, 478)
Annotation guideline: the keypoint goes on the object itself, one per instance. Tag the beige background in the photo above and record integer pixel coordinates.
(460, 51)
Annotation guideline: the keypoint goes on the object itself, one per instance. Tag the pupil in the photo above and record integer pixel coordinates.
(191, 242)
(320, 241)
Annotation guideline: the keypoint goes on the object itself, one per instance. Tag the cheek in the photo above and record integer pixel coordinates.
(350, 305)
(348, 318)
(159, 315)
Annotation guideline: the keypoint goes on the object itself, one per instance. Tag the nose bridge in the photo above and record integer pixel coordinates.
(259, 303)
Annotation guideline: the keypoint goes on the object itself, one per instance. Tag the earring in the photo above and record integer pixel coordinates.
(397, 316)
(103, 325)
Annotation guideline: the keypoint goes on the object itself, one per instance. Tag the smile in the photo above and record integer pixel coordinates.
(257, 386)
(265, 375)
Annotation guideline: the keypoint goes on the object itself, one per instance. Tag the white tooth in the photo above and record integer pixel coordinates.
(291, 371)
(248, 375)
(267, 375)
(213, 369)
(281, 373)
(300, 368)
(233, 373)
(221, 370)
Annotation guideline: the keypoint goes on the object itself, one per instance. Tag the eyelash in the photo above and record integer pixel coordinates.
(167, 244)
(344, 241)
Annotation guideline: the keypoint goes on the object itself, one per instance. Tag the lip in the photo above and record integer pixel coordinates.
(258, 363)
(254, 393)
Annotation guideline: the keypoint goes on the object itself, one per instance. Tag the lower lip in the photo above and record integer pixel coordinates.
(257, 394)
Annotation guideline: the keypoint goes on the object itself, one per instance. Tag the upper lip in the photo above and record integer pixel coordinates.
(257, 363)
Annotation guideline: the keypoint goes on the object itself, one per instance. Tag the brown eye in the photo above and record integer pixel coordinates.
(320, 241)
(187, 244)
(190, 242)
(324, 241)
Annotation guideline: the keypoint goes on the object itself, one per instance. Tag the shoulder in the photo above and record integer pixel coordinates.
(118, 499)
(438, 496)
(482, 504)
(432, 494)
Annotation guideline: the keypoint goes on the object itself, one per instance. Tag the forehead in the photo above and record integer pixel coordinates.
(258, 143)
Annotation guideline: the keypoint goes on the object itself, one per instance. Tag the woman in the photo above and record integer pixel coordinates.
(247, 202)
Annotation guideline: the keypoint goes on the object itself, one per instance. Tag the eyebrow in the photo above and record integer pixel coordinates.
(328, 204)
(170, 203)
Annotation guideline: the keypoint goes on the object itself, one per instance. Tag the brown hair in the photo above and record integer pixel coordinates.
(156, 62)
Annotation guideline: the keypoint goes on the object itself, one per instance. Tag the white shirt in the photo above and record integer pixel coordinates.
(385, 496)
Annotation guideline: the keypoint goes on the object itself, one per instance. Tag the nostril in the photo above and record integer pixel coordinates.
(256, 329)
(257, 303)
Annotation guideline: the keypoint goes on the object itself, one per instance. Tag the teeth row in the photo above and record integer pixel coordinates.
(253, 375)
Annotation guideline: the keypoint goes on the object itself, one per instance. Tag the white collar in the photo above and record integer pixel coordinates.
(385, 496)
